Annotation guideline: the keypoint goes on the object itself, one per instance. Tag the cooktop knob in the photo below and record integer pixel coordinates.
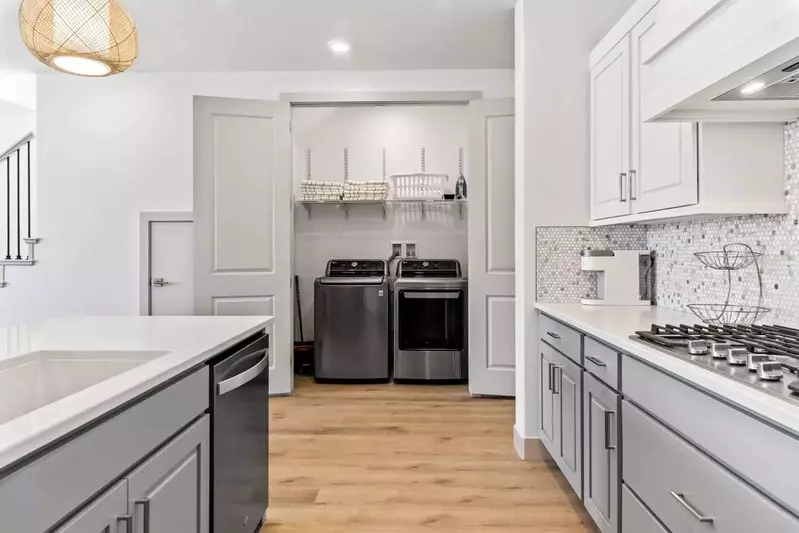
(697, 347)
(425, 264)
(354, 264)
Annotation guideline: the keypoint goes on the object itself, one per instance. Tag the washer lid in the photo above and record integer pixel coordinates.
(371, 280)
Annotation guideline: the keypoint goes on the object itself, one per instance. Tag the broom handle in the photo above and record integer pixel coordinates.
(299, 306)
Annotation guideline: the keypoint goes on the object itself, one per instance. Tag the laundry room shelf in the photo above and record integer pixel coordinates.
(423, 204)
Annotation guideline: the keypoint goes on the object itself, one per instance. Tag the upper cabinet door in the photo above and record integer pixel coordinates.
(610, 133)
(664, 169)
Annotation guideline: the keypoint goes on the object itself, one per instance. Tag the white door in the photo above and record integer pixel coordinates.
(664, 167)
(242, 218)
(171, 268)
(610, 133)
(492, 332)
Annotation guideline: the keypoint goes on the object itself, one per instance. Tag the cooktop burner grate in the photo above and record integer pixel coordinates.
(777, 340)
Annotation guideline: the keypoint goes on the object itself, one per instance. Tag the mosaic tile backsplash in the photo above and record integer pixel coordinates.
(680, 278)
(559, 278)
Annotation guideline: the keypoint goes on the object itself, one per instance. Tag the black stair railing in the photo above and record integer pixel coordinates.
(17, 190)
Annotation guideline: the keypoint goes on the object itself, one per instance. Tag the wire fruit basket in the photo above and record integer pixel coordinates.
(732, 257)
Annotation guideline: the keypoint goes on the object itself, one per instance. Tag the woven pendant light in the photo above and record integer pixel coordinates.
(83, 37)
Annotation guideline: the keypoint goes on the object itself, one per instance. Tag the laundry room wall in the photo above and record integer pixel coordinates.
(365, 131)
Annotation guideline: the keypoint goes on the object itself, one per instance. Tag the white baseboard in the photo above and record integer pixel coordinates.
(527, 448)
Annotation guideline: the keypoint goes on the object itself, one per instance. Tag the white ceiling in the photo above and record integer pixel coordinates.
(293, 34)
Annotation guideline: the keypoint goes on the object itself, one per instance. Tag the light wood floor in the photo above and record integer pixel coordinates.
(398, 458)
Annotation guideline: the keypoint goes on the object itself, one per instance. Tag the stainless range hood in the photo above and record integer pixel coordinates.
(781, 83)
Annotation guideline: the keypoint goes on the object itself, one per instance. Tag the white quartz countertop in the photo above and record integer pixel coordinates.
(615, 324)
(187, 342)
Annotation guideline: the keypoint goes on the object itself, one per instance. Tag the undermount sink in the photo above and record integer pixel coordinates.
(39, 379)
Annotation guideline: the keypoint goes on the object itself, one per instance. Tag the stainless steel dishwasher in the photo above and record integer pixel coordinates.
(240, 437)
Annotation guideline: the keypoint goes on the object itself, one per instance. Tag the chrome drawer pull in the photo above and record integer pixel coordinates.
(597, 362)
(549, 373)
(145, 503)
(553, 335)
(608, 445)
(128, 519)
(696, 514)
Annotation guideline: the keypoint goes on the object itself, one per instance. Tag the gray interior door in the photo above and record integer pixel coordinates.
(169, 492)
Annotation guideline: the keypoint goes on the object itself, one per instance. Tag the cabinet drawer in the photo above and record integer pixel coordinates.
(635, 518)
(601, 361)
(725, 433)
(686, 489)
(68, 476)
(567, 340)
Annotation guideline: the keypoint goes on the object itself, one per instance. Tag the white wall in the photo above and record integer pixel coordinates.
(110, 148)
(18, 88)
(365, 131)
(15, 123)
(553, 41)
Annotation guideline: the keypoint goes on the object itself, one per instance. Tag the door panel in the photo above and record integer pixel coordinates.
(172, 259)
(104, 515)
(610, 133)
(242, 197)
(547, 403)
(664, 155)
(600, 464)
(571, 430)
(169, 492)
(492, 344)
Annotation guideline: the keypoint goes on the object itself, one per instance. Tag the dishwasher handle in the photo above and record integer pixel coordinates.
(245, 377)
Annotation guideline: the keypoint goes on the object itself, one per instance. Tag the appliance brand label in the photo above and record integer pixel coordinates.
(380, 292)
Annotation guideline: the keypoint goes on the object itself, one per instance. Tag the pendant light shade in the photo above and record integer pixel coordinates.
(83, 37)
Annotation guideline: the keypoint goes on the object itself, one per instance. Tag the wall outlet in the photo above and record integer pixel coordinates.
(410, 249)
(396, 248)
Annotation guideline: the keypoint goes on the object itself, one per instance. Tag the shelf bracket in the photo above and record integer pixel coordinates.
(308, 208)
(424, 214)
(383, 205)
(347, 211)
(460, 209)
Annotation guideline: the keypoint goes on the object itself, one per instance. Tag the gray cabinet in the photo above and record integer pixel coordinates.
(561, 413)
(106, 514)
(567, 386)
(169, 492)
(687, 490)
(601, 453)
(635, 517)
(548, 405)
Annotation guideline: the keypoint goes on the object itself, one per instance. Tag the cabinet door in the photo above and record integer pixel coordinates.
(548, 405)
(601, 459)
(169, 492)
(610, 133)
(568, 387)
(106, 514)
(664, 168)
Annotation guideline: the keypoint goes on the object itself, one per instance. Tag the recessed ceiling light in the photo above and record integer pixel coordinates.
(752, 87)
(339, 46)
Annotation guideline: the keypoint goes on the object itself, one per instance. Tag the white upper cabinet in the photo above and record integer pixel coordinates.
(645, 172)
(704, 52)
(610, 133)
(663, 166)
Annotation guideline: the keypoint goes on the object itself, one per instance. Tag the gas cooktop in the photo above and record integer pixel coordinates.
(763, 357)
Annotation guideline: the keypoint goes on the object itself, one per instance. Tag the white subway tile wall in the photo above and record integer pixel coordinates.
(680, 279)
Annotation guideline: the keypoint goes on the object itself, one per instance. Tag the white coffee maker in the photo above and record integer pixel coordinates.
(623, 276)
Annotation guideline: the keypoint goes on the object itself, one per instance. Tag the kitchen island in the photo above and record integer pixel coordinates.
(107, 421)
(653, 440)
